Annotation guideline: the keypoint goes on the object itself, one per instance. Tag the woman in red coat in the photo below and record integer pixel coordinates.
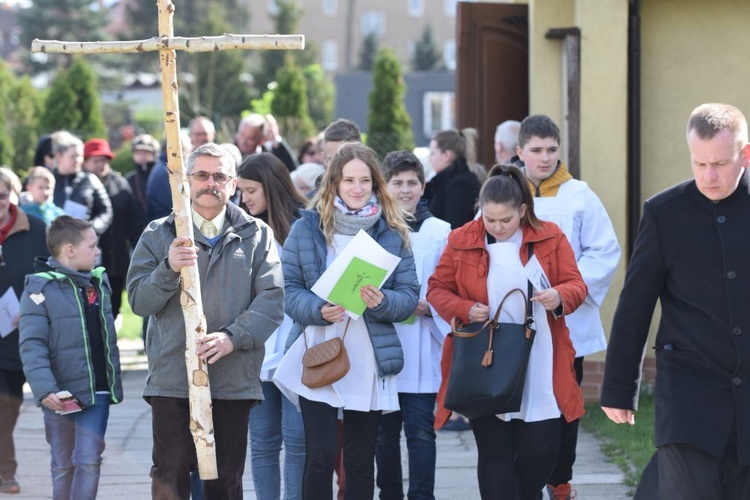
(482, 261)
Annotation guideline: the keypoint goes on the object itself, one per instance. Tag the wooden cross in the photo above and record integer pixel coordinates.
(201, 420)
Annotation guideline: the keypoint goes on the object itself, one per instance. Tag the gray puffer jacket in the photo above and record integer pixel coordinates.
(304, 261)
(54, 345)
(242, 291)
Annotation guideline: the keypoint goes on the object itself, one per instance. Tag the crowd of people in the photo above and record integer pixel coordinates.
(269, 223)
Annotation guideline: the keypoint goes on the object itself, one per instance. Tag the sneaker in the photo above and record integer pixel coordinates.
(560, 492)
(9, 486)
(459, 424)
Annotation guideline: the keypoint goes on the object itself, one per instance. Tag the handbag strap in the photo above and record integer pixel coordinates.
(346, 329)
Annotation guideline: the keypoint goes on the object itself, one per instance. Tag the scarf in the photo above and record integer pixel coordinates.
(350, 225)
(370, 208)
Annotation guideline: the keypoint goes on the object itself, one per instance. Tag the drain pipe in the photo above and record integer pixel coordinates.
(634, 124)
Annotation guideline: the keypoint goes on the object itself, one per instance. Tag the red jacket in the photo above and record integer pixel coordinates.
(460, 281)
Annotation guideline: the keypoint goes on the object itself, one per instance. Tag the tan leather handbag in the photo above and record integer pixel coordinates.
(326, 362)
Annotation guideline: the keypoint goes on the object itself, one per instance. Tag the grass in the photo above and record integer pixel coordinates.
(630, 447)
(132, 325)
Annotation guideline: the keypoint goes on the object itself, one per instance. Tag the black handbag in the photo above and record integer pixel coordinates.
(489, 363)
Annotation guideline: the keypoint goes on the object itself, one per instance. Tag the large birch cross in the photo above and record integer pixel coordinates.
(201, 420)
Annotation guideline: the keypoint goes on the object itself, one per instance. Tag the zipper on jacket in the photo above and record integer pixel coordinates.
(86, 346)
(106, 344)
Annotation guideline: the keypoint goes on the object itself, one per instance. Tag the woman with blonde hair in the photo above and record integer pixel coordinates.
(352, 197)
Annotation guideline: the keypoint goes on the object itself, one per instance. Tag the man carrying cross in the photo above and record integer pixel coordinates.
(243, 302)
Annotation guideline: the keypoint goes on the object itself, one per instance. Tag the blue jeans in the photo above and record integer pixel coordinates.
(275, 420)
(77, 442)
(418, 418)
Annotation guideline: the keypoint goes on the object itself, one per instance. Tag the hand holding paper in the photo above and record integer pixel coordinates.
(363, 262)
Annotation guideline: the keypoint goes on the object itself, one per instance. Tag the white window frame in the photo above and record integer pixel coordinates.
(373, 21)
(449, 54)
(415, 7)
(447, 110)
(329, 7)
(329, 55)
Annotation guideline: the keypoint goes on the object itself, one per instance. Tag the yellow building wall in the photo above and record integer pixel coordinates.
(694, 52)
(603, 141)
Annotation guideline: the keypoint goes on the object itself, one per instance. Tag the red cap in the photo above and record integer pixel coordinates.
(97, 147)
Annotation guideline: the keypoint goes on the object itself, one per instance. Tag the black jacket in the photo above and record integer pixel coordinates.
(27, 239)
(452, 194)
(86, 189)
(118, 241)
(692, 255)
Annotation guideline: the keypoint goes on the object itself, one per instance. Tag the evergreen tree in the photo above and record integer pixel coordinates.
(6, 144)
(73, 103)
(285, 19)
(389, 124)
(320, 95)
(289, 105)
(367, 52)
(426, 55)
(217, 89)
(60, 20)
(24, 111)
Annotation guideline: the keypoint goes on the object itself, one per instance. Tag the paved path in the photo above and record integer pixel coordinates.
(127, 458)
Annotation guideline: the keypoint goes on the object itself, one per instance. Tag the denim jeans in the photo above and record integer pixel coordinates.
(418, 418)
(77, 442)
(275, 420)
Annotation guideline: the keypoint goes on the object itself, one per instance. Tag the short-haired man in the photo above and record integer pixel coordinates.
(337, 133)
(691, 254)
(422, 341)
(257, 134)
(573, 206)
(201, 131)
(506, 141)
(236, 256)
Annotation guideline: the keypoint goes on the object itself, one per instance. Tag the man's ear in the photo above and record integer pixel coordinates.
(519, 151)
(745, 155)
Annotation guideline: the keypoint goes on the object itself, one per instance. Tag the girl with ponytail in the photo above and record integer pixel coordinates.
(482, 261)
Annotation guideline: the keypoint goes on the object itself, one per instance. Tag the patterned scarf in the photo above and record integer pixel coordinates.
(370, 208)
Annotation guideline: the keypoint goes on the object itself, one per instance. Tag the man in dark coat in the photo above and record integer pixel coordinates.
(691, 253)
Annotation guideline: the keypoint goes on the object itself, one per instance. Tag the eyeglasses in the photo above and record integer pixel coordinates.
(219, 177)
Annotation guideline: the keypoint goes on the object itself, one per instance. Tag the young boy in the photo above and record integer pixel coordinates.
(573, 206)
(422, 341)
(40, 186)
(68, 343)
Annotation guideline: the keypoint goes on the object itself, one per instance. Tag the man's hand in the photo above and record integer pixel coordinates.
(619, 416)
(52, 402)
(181, 254)
(214, 346)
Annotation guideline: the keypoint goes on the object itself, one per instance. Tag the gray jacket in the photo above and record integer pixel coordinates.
(242, 291)
(54, 345)
(304, 258)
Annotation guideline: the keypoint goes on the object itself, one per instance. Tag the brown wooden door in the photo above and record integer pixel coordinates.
(492, 69)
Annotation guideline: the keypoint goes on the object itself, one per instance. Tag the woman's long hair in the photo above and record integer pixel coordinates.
(282, 198)
(506, 184)
(323, 201)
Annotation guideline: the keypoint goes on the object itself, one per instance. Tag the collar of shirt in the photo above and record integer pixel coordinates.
(218, 221)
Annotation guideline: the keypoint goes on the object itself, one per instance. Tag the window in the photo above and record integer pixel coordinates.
(438, 112)
(416, 8)
(329, 7)
(273, 7)
(329, 57)
(373, 22)
(449, 54)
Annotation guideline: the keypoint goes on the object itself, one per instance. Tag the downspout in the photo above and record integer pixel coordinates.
(634, 124)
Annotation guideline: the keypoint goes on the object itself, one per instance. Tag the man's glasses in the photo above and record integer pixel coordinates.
(219, 177)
